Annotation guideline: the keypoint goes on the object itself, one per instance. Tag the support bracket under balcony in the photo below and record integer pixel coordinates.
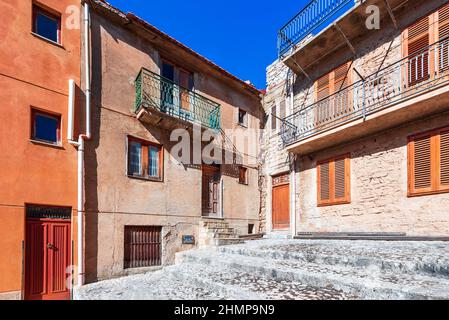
(390, 12)
(301, 69)
(344, 37)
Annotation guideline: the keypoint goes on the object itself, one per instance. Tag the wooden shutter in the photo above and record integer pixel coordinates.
(341, 77)
(429, 162)
(340, 179)
(323, 87)
(418, 40)
(444, 158)
(443, 33)
(273, 118)
(422, 164)
(333, 181)
(324, 182)
(143, 247)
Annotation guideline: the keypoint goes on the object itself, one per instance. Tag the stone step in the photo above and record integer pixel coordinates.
(222, 235)
(228, 281)
(363, 283)
(397, 257)
(215, 224)
(230, 230)
(228, 241)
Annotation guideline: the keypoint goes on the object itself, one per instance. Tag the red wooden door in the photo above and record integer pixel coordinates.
(47, 259)
(281, 207)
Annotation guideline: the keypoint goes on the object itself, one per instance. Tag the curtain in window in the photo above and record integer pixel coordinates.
(153, 161)
(135, 154)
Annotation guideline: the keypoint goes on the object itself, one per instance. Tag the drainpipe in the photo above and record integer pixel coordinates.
(80, 144)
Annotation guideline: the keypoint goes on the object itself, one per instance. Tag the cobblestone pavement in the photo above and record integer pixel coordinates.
(201, 282)
(293, 269)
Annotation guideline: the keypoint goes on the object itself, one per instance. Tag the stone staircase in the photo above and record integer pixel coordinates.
(327, 268)
(216, 232)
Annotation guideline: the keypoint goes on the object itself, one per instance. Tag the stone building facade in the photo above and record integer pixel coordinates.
(378, 144)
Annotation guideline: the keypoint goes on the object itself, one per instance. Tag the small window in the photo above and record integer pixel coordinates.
(46, 24)
(145, 159)
(250, 228)
(274, 118)
(428, 163)
(143, 246)
(334, 181)
(243, 118)
(243, 175)
(46, 127)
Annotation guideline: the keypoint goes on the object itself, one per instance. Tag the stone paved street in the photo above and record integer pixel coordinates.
(293, 269)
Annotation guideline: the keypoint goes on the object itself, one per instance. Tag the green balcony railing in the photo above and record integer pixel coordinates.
(156, 92)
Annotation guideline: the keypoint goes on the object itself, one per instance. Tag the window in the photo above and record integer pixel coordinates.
(243, 175)
(332, 84)
(143, 247)
(243, 118)
(145, 159)
(46, 127)
(46, 24)
(428, 162)
(273, 118)
(424, 63)
(334, 181)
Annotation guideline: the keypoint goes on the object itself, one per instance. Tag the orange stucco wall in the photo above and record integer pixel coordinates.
(33, 73)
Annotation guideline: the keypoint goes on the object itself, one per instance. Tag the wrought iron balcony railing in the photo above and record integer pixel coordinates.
(410, 76)
(163, 95)
(310, 19)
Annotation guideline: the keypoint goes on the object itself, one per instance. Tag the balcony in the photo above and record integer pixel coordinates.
(314, 16)
(160, 101)
(408, 89)
(326, 26)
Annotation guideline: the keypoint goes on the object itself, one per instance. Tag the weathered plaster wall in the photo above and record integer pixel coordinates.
(33, 73)
(115, 200)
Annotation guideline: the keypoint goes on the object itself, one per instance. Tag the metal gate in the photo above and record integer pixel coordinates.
(143, 246)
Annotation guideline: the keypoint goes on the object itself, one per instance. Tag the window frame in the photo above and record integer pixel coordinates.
(144, 159)
(435, 164)
(246, 182)
(47, 114)
(332, 200)
(37, 9)
(245, 119)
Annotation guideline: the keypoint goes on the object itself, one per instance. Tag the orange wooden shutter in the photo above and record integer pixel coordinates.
(340, 179)
(422, 166)
(444, 159)
(443, 33)
(333, 181)
(418, 40)
(323, 87)
(341, 77)
(443, 22)
(324, 181)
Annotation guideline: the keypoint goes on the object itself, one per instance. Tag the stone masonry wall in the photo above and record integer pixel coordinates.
(379, 201)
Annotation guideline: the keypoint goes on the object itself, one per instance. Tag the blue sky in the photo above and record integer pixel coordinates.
(238, 35)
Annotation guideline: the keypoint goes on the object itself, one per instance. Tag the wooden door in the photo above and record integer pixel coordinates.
(47, 259)
(211, 191)
(281, 203)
